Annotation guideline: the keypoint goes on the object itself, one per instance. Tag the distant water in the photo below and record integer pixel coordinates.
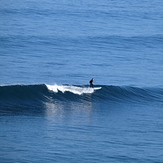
(50, 49)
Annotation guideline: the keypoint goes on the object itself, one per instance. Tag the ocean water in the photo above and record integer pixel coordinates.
(50, 49)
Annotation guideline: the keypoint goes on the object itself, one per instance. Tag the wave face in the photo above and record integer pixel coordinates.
(34, 97)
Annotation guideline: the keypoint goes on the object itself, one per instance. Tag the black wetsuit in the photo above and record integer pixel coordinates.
(91, 83)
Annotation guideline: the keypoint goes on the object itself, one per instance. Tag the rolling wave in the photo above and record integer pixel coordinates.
(44, 92)
(34, 96)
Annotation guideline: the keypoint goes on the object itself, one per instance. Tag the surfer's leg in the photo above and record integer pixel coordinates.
(91, 85)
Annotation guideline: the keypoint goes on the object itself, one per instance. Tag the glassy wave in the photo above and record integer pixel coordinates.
(42, 92)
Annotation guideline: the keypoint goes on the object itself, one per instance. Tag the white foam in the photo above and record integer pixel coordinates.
(73, 89)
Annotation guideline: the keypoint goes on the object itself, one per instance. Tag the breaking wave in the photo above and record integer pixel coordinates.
(35, 96)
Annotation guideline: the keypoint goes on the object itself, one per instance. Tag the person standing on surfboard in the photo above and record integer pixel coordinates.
(91, 82)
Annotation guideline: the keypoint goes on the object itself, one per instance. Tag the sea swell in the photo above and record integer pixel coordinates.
(35, 96)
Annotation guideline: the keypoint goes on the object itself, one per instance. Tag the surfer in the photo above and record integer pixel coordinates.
(91, 82)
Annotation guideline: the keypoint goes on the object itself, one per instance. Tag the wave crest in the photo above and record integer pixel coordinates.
(79, 90)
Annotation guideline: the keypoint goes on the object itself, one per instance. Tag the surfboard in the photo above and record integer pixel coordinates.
(96, 88)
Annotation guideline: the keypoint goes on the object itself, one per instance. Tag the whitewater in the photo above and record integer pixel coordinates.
(73, 89)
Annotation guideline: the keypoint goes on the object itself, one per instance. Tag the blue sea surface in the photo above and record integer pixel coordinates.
(50, 49)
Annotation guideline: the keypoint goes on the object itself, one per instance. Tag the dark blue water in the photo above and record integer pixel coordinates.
(49, 50)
